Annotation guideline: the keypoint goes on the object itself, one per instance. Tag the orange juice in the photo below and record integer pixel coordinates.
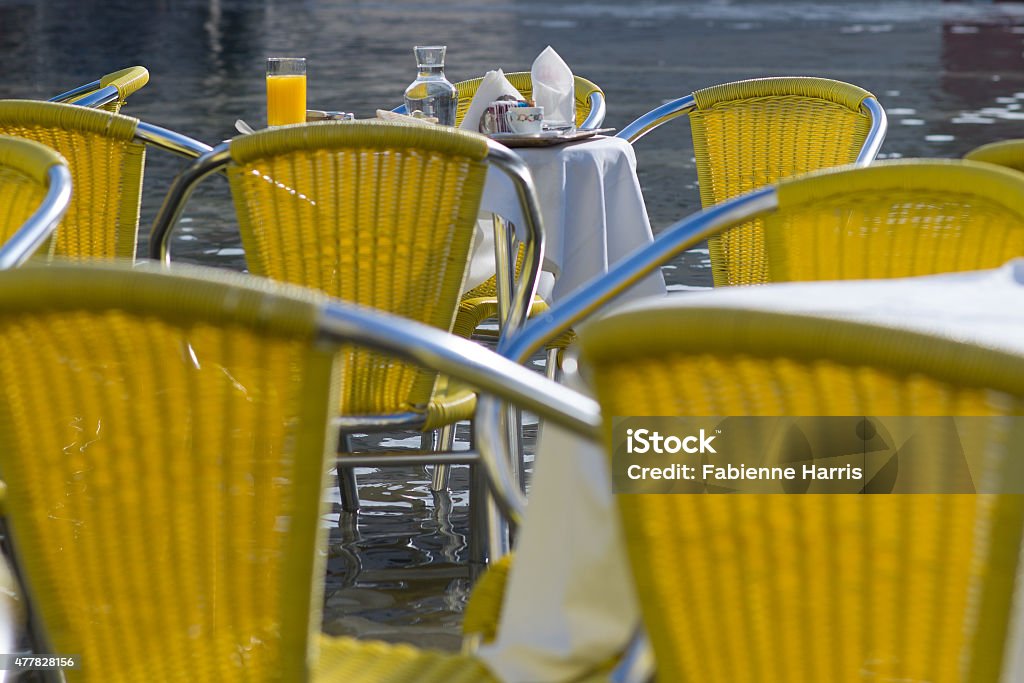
(286, 100)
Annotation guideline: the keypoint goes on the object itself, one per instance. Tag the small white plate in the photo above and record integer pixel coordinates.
(546, 138)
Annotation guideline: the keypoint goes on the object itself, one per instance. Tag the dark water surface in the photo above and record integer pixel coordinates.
(949, 74)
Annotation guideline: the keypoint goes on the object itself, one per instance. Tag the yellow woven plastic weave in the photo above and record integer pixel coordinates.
(380, 214)
(751, 133)
(801, 588)
(127, 81)
(481, 303)
(523, 82)
(1009, 153)
(106, 172)
(165, 446)
(23, 181)
(895, 219)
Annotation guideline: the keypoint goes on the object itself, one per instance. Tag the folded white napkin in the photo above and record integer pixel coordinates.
(554, 89)
(385, 115)
(493, 86)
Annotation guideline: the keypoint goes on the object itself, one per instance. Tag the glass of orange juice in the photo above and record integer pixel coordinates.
(286, 90)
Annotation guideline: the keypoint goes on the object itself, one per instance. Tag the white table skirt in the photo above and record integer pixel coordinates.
(592, 208)
(569, 601)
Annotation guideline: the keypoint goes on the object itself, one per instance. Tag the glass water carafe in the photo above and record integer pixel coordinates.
(432, 93)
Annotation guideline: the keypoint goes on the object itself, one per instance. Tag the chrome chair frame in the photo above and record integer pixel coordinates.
(340, 323)
(595, 118)
(100, 97)
(169, 140)
(43, 221)
(587, 299)
(510, 163)
(462, 359)
(120, 84)
(514, 313)
(684, 105)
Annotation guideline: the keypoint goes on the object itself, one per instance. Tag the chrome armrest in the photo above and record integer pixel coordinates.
(181, 189)
(876, 134)
(74, 92)
(597, 112)
(478, 366)
(171, 141)
(43, 221)
(654, 118)
(97, 99)
(603, 288)
(512, 165)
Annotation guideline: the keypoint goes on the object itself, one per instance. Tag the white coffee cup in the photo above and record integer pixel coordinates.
(525, 120)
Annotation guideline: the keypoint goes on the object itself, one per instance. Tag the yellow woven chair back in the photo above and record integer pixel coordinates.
(106, 166)
(894, 219)
(23, 181)
(752, 133)
(127, 81)
(738, 588)
(375, 213)
(523, 82)
(164, 441)
(1008, 153)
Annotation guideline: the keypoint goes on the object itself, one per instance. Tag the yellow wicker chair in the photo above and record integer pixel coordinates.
(105, 153)
(1009, 153)
(109, 92)
(165, 441)
(891, 219)
(813, 587)
(748, 134)
(377, 213)
(35, 188)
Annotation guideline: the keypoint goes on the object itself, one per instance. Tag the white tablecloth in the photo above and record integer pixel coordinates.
(591, 205)
(569, 601)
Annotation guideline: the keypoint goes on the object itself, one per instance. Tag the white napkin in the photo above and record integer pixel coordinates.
(554, 89)
(493, 86)
(385, 115)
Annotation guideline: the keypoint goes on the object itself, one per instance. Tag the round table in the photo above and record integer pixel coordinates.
(591, 206)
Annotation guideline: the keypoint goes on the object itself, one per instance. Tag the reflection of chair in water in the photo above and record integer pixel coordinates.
(105, 153)
(109, 92)
(817, 587)
(751, 133)
(380, 214)
(165, 441)
(35, 188)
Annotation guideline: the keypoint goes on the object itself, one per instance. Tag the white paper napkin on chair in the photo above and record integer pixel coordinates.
(492, 86)
(554, 89)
